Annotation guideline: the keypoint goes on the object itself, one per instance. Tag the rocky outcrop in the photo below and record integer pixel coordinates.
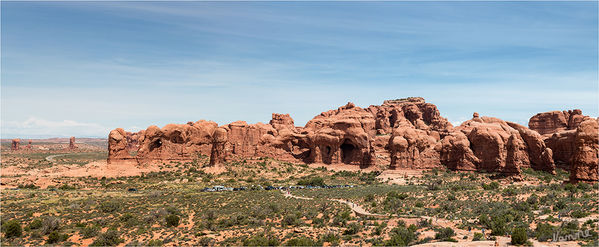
(493, 145)
(399, 134)
(558, 130)
(585, 160)
(176, 142)
(413, 111)
(117, 145)
(15, 144)
(456, 154)
(548, 123)
(72, 145)
(28, 144)
(413, 148)
(218, 152)
(344, 136)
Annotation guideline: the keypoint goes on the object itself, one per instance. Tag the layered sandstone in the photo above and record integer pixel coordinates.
(407, 133)
(586, 152)
(548, 123)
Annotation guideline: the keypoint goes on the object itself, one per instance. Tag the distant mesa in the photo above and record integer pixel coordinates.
(404, 133)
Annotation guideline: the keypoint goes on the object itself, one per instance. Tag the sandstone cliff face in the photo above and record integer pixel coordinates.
(493, 145)
(586, 152)
(407, 133)
(412, 111)
(548, 123)
(558, 130)
(344, 135)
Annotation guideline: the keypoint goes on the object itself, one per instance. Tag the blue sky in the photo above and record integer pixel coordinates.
(84, 68)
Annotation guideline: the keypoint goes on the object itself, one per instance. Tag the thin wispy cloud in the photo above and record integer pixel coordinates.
(122, 64)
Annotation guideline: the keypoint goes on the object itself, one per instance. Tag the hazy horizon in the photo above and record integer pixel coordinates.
(84, 68)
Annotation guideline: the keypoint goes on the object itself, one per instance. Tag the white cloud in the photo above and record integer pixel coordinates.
(35, 127)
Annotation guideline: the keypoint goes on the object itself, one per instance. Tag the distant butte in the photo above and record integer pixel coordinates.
(403, 133)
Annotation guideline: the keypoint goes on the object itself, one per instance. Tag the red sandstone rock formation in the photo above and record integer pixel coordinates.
(409, 132)
(72, 143)
(344, 135)
(28, 144)
(218, 152)
(548, 123)
(413, 148)
(15, 145)
(585, 160)
(412, 111)
(495, 145)
(558, 129)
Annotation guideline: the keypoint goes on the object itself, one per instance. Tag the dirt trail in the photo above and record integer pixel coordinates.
(354, 207)
(51, 157)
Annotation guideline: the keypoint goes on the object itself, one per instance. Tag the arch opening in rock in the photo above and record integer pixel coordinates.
(349, 152)
(156, 144)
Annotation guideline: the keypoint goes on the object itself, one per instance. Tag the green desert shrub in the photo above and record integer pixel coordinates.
(544, 232)
(444, 233)
(313, 181)
(300, 241)
(12, 228)
(477, 236)
(261, 240)
(172, 220)
(519, 236)
(352, 229)
(109, 238)
(400, 236)
(56, 237)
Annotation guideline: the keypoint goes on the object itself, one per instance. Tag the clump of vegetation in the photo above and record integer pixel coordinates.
(519, 236)
(312, 181)
(12, 229)
(109, 238)
(261, 240)
(172, 220)
(300, 241)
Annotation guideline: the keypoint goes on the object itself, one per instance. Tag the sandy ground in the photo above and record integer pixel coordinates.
(13, 175)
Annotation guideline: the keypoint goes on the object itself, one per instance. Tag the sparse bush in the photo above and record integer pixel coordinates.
(300, 241)
(155, 242)
(90, 231)
(12, 228)
(313, 181)
(261, 240)
(400, 236)
(477, 236)
(352, 229)
(109, 238)
(172, 220)
(491, 186)
(519, 236)
(50, 224)
(109, 206)
(444, 233)
(544, 231)
(56, 237)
